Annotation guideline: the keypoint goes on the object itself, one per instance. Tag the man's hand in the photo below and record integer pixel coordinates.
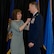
(31, 44)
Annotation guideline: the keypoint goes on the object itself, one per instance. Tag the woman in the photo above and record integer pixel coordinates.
(16, 28)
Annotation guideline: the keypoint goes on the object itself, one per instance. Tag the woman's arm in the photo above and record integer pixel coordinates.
(25, 24)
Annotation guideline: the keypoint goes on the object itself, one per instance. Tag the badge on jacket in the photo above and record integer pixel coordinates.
(32, 21)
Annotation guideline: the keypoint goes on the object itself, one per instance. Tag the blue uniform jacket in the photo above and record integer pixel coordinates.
(36, 31)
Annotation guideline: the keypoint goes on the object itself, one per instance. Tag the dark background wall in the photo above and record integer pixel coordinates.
(4, 15)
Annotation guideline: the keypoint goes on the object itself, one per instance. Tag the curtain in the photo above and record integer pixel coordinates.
(4, 16)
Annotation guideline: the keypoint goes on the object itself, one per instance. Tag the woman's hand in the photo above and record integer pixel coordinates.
(28, 20)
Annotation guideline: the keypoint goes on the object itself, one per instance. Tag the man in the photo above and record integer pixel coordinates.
(35, 34)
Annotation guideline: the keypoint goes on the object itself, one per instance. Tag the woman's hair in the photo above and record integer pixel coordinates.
(14, 13)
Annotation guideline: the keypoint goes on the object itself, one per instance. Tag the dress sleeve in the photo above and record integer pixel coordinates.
(15, 25)
(27, 27)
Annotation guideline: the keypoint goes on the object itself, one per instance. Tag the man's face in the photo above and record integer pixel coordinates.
(31, 8)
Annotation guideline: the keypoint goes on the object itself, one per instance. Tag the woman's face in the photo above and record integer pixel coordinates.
(19, 16)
